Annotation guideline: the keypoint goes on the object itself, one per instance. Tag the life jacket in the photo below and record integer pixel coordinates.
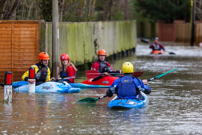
(42, 73)
(103, 67)
(128, 88)
(64, 74)
(157, 47)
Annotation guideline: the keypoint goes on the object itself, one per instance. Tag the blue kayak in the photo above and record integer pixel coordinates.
(129, 103)
(49, 87)
(81, 85)
(75, 85)
(19, 83)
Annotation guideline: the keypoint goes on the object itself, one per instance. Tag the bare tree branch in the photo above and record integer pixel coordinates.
(11, 14)
(2, 8)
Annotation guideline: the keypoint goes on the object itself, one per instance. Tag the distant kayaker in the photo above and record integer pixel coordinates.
(128, 86)
(42, 71)
(156, 45)
(103, 66)
(67, 68)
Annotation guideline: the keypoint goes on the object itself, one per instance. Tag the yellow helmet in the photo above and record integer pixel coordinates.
(127, 67)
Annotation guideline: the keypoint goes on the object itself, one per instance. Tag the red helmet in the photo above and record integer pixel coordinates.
(102, 52)
(43, 56)
(64, 57)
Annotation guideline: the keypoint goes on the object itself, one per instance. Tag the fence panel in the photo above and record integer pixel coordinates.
(198, 33)
(183, 32)
(18, 47)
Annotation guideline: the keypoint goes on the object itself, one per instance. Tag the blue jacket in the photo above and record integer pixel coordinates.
(128, 87)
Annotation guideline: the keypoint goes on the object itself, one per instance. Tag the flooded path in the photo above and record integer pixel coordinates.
(174, 103)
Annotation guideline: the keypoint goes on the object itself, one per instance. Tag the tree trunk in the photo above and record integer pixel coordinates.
(91, 7)
(107, 10)
(61, 9)
(30, 10)
(2, 8)
(126, 10)
(11, 14)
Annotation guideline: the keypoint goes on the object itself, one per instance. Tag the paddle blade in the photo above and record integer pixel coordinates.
(92, 74)
(88, 100)
(137, 74)
(144, 40)
(1, 84)
(172, 53)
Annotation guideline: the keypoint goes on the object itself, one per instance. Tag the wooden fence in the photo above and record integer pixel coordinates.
(198, 33)
(183, 32)
(18, 47)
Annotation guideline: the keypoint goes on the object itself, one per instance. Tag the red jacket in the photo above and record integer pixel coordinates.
(158, 47)
(96, 66)
(71, 72)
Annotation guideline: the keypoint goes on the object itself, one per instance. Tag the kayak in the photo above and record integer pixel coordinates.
(157, 52)
(49, 87)
(19, 83)
(128, 103)
(75, 85)
(104, 81)
(81, 85)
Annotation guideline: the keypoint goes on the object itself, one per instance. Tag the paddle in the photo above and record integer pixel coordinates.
(94, 100)
(144, 40)
(1, 84)
(171, 53)
(64, 79)
(162, 75)
(93, 74)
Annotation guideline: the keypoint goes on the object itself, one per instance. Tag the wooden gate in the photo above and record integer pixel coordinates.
(18, 47)
(166, 32)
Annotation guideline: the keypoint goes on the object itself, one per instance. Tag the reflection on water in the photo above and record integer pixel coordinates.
(174, 104)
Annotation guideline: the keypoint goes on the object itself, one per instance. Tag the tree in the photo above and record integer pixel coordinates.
(107, 10)
(79, 10)
(61, 9)
(126, 10)
(167, 10)
(28, 10)
(198, 9)
(8, 9)
(45, 9)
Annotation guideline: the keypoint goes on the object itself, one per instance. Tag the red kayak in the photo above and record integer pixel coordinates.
(106, 81)
(157, 52)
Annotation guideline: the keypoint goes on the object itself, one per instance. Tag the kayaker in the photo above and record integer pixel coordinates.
(67, 68)
(156, 45)
(42, 71)
(102, 66)
(128, 86)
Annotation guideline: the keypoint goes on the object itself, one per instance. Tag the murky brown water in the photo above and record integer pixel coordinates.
(174, 107)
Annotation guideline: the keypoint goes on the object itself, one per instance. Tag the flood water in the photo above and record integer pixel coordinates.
(174, 103)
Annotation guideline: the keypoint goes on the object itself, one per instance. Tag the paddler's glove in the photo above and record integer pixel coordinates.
(141, 89)
(111, 91)
(146, 91)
